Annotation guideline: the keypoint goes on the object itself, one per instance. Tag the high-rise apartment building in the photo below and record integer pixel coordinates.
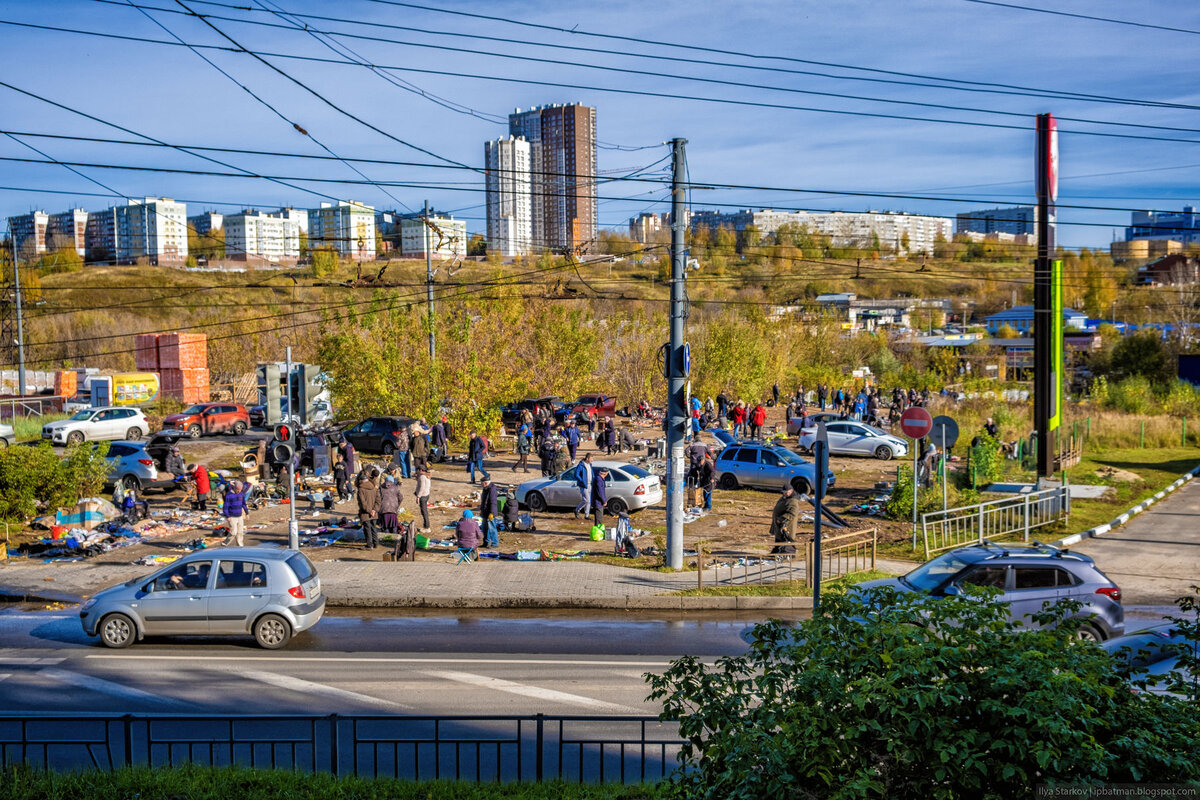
(440, 235)
(510, 226)
(154, 228)
(645, 227)
(562, 140)
(1017, 221)
(1181, 226)
(844, 228)
(68, 229)
(209, 221)
(297, 215)
(29, 233)
(261, 239)
(348, 227)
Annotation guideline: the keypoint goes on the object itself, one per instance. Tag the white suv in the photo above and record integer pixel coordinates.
(106, 422)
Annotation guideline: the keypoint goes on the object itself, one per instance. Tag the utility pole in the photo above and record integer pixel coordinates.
(12, 238)
(293, 527)
(677, 366)
(429, 286)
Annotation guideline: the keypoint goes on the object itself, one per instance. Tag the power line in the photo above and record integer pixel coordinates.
(262, 55)
(358, 59)
(1091, 17)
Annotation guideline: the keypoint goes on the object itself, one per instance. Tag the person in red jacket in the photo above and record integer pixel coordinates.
(758, 418)
(739, 418)
(200, 478)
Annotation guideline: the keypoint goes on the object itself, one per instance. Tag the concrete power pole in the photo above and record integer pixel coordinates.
(12, 238)
(677, 366)
(429, 285)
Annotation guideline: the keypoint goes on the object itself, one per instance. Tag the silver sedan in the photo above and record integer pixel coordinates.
(857, 439)
(630, 488)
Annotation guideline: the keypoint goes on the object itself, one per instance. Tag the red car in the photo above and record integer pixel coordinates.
(603, 404)
(208, 419)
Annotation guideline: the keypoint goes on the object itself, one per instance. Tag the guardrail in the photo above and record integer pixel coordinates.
(955, 527)
(843, 554)
(31, 405)
(535, 747)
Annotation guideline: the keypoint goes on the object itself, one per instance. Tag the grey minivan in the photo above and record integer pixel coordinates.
(268, 593)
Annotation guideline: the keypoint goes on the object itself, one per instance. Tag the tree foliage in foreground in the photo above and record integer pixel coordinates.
(893, 695)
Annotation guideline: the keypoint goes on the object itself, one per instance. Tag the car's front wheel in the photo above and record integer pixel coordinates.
(536, 502)
(884, 453)
(74, 437)
(117, 631)
(194, 431)
(272, 632)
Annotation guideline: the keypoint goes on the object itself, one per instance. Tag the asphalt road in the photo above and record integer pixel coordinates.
(411, 664)
(1155, 557)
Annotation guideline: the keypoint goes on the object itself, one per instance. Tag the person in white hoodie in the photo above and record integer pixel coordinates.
(422, 494)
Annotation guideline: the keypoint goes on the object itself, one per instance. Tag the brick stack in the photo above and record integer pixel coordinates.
(181, 361)
(65, 383)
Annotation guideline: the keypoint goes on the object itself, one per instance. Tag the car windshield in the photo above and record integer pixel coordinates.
(82, 415)
(193, 410)
(932, 574)
(788, 456)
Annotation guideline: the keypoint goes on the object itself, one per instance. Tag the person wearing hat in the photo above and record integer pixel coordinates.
(784, 518)
(174, 463)
(467, 532)
(489, 499)
(235, 512)
(422, 495)
(200, 480)
(599, 496)
(368, 507)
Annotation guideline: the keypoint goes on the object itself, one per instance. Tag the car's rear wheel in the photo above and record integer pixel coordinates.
(272, 632)
(617, 506)
(133, 434)
(536, 502)
(239, 428)
(1089, 633)
(74, 437)
(388, 448)
(884, 453)
(131, 483)
(117, 631)
(194, 431)
(801, 485)
(728, 481)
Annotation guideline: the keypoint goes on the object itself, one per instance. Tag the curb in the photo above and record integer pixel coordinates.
(1100, 530)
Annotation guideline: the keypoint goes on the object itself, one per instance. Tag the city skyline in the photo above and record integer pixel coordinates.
(769, 145)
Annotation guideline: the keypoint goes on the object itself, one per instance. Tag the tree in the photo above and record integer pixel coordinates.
(1142, 354)
(477, 245)
(324, 262)
(65, 259)
(1007, 331)
(941, 247)
(902, 695)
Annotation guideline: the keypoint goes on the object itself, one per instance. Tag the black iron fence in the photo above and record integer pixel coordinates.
(535, 747)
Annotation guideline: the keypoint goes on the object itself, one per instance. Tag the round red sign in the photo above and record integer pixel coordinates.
(916, 423)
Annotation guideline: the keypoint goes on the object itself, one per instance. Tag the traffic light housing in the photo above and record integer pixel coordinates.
(269, 377)
(283, 444)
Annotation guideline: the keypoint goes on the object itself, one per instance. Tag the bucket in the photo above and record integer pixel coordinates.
(58, 531)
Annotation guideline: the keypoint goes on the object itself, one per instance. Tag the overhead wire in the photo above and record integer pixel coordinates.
(1090, 17)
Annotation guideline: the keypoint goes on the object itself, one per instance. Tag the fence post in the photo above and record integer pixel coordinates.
(333, 744)
(700, 565)
(1142, 437)
(541, 719)
(1183, 434)
(981, 523)
(1088, 433)
(128, 721)
(874, 543)
(1027, 518)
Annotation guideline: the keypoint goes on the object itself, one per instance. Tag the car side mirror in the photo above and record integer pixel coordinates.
(952, 590)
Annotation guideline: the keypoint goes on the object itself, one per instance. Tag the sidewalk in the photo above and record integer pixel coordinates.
(485, 584)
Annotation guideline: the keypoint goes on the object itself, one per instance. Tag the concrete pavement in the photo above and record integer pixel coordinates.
(1155, 557)
(485, 584)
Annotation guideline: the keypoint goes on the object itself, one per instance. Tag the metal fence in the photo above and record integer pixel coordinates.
(31, 406)
(955, 527)
(535, 747)
(843, 554)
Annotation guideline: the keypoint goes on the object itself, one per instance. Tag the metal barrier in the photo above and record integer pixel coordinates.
(844, 554)
(535, 747)
(31, 406)
(955, 527)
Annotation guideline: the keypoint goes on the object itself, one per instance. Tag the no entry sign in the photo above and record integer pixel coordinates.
(916, 423)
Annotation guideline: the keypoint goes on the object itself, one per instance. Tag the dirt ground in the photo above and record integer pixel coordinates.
(738, 523)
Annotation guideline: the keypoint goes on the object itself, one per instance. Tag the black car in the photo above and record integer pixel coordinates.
(510, 414)
(159, 445)
(377, 434)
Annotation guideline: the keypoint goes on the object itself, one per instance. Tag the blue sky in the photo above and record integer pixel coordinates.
(169, 93)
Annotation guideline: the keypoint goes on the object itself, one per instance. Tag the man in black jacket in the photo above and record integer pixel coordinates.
(489, 509)
(475, 449)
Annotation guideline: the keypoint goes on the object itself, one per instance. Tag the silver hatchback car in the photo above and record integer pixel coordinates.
(268, 593)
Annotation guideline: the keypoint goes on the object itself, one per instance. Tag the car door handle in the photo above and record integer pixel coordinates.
(195, 597)
(257, 596)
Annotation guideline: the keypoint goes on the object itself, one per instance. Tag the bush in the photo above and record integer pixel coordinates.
(35, 479)
(900, 503)
(987, 464)
(899, 695)
(1132, 395)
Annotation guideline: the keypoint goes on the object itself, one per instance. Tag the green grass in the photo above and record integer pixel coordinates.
(786, 588)
(1157, 467)
(30, 428)
(234, 783)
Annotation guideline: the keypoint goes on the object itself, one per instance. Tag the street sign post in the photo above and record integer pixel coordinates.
(945, 434)
(916, 424)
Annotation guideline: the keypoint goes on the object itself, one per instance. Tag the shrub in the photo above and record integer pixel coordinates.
(1132, 395)
(900, 503)
(900, 695)
(36, 479)
(986, 462)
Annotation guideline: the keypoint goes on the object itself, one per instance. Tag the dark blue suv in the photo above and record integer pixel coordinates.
(1028, 577)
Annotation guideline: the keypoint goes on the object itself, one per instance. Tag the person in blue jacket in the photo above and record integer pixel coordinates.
(599, 496)
(584, 477)
(571, 434)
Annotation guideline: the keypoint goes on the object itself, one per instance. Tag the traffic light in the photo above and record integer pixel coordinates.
(269, 392)
(282, 449)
